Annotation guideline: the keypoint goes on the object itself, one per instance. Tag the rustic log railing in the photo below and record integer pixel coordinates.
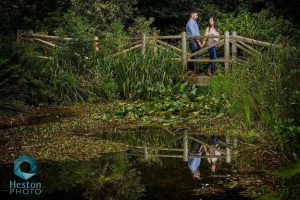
(162, 42)
(148, 152)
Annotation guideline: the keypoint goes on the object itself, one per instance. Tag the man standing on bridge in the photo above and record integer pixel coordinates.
(193, 30)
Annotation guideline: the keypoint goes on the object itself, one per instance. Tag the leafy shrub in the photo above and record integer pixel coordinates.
(262, 25)
(21, 73)
(264, 88)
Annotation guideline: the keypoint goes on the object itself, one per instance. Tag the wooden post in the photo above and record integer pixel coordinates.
(235, 152)
(155, 43)
(21, 32)
(185, 146)
(226, 51)
(45, 52)
(227, 141)
(96, 43)
(143, 43)
(145, 152)
(183, 50)
(234, 142)
(234, 48)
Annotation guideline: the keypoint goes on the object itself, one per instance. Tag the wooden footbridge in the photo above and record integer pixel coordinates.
(230, 44)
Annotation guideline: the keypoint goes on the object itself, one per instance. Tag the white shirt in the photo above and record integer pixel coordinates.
(212, 31)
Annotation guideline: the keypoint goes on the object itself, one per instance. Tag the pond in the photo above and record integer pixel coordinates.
(127, 175)
(120, 176)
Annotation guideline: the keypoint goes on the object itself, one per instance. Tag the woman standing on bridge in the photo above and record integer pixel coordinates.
(212, 30)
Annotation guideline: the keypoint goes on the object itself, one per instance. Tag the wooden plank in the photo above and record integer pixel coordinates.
(168, 45)
(166, 129)
(204, 143)
(235, 145)
(183, 50)
(207, 60)
(234, 49)
(234, 142)
(218, 44)
(249, 47)
(179, 56)
(226, 51)
(134, 38)
(185, 147)
(145, 153)
(166, 156)
(155, 43)
(207, 36)
(169, 149)
(45, 57)
(228, 158)
(241, 47)
(143, 43)
(252, 41)
(131, 48)
(169, 37)
(180, 156)
(46, 37)
(135, 42)
(44, 42)
(206, 156)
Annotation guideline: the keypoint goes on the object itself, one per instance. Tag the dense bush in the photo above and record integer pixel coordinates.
(265, 89)
(262, 26)
(21, 74)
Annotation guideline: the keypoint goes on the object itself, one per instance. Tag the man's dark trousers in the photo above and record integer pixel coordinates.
(194, 47)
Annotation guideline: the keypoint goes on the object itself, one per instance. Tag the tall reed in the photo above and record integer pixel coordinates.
(142, 76)
(264, 88)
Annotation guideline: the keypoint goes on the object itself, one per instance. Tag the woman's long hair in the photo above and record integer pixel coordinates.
(215, 24)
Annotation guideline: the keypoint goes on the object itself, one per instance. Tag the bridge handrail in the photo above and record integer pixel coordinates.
(181, 53)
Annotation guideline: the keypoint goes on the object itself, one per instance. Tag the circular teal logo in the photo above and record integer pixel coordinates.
(17, 167)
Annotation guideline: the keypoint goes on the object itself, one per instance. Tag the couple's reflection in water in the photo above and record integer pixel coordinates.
(211, 151)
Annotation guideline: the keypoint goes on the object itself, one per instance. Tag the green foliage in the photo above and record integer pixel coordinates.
(141, 25)
(262, 87)
(20, 77)
(260, 25)
(100, 14)
(114, 39)
(136, 75)
(176, 107)
(289, 171)
(107, 89)
(143, 76)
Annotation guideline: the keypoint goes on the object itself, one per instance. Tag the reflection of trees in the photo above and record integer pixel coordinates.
(111, 178)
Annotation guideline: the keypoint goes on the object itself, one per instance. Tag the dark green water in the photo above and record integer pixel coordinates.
(120, 176)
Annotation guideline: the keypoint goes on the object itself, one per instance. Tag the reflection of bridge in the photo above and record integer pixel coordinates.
(173, 152)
